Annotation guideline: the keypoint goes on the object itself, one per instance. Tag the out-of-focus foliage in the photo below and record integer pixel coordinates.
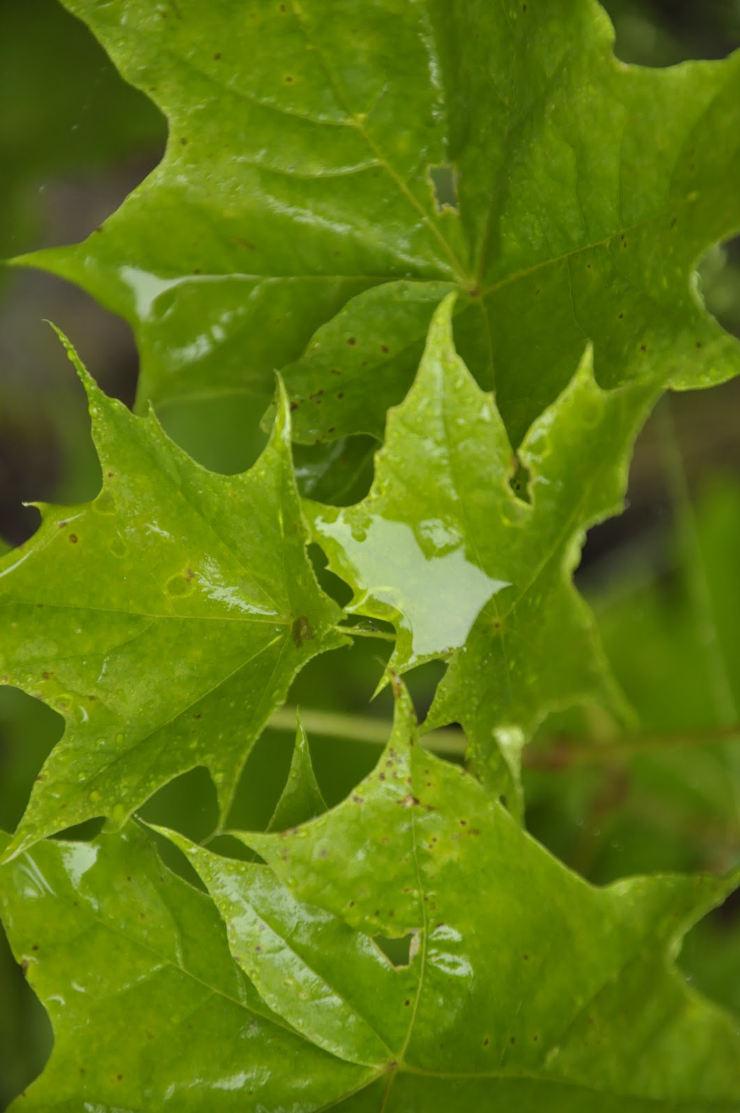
(667, 797)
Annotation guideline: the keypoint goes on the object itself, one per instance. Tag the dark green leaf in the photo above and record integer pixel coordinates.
(332, 170)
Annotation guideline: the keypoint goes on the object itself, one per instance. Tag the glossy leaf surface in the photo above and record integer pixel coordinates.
(164, 620)
(332, 170)
(469, 570)
(301, 797)
(540, 992)
(150, 1011)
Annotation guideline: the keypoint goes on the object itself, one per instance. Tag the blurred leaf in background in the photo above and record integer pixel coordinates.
(667, 798)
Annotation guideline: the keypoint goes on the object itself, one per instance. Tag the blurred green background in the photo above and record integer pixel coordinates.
(74, 140)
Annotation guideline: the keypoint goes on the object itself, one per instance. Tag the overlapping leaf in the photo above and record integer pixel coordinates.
(164, 620)
(524, 989)
(333, 169)
(470, 571)
(149, 1009)
(542, 992)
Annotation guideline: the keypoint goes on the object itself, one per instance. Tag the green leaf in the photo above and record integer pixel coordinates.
(301, 797)
(150, 1012)
(526, 988)
(330, 983)
(164, 620)
(330, 174)
(468, 570)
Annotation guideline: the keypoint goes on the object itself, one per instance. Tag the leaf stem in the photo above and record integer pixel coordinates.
(365, 632)
(361, 728)
(558, 753)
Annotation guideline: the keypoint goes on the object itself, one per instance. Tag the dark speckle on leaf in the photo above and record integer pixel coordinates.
(301, 630)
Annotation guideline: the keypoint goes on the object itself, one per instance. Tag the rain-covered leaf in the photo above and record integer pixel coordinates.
(332, 170)
(150, 1011)
(470, 571)
(301, 797)
(524, 987)
(164, 620)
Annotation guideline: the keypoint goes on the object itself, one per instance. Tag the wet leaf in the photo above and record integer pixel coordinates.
(331, 173)
(150, 1011)
(540, 992)
(164, 620)
(301, 797)
(470, 571)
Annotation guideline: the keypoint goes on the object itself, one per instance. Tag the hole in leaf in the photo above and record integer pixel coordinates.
(444, 186)
(718, 281)
(399, 952)
(664, 32)
(519, 481)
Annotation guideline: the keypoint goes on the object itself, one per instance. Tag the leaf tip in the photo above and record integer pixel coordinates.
(282, 423)
(91, 387)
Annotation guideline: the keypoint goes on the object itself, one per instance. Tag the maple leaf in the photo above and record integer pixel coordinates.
(524, 987)
(150, 1012)
(164, 620)
(470, 571)
(542, 992)
(331, 173)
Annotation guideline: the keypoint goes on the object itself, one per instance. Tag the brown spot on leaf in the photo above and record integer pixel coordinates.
(301, 630)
